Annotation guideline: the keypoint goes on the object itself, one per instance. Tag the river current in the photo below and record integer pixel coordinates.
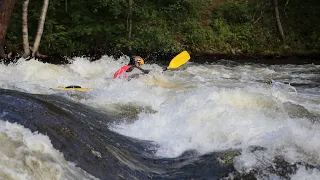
(219, 120)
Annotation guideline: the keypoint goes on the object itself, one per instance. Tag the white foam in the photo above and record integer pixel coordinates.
(203, 107)
(213, 119)
(306, 174)
(27, 155)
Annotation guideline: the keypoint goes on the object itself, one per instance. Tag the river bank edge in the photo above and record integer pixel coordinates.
(198, 57)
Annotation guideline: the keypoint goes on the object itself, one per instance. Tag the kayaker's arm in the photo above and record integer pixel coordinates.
(130, 69)
(143, 70)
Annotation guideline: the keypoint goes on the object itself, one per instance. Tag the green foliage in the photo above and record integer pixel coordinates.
(250, 27)
(197, 37)
(234, 13)
(169, 26)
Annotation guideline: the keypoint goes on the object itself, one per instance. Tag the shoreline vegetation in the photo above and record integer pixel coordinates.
(253, 31)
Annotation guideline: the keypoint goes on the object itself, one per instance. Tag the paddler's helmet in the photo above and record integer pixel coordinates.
(138, 60)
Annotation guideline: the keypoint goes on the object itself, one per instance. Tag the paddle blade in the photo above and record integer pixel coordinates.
(179, 60)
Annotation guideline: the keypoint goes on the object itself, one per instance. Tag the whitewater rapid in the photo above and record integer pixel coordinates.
(27, 155)
(202, 107)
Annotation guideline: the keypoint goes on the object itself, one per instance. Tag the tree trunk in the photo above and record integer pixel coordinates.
(26, 46)
(6, 7)
(279, 21)
(40, 27)
(129, 22)
(66, 6)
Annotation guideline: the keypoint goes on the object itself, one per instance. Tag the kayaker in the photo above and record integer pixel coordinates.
(131, 70)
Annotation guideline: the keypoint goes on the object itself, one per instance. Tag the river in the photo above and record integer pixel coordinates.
(219, 120)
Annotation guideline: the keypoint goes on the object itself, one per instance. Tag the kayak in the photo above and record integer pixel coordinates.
(176, 62)
(72, 88)
(164, 84)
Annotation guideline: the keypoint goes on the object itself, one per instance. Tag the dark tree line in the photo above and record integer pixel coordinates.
(73, 28)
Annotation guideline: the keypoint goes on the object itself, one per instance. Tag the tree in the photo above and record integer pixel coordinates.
(6, 7)
(40, 27)
(129, 22)
(26, 46)
(280, 29)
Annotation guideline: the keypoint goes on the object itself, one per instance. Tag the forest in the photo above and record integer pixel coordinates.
(115, 27)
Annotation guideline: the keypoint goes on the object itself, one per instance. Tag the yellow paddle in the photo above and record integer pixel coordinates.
(176, 62)
(179, 60)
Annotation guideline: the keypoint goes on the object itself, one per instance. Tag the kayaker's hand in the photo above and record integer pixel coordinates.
(143, 70)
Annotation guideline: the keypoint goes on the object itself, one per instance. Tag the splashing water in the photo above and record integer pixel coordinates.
(206, 108)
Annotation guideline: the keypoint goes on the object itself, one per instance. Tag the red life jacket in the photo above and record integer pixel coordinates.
(121, 73)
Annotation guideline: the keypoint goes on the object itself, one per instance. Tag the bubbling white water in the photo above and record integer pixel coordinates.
(205, 108)
(27, 155)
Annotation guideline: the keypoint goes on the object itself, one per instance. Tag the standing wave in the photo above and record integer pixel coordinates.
(82, 135)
